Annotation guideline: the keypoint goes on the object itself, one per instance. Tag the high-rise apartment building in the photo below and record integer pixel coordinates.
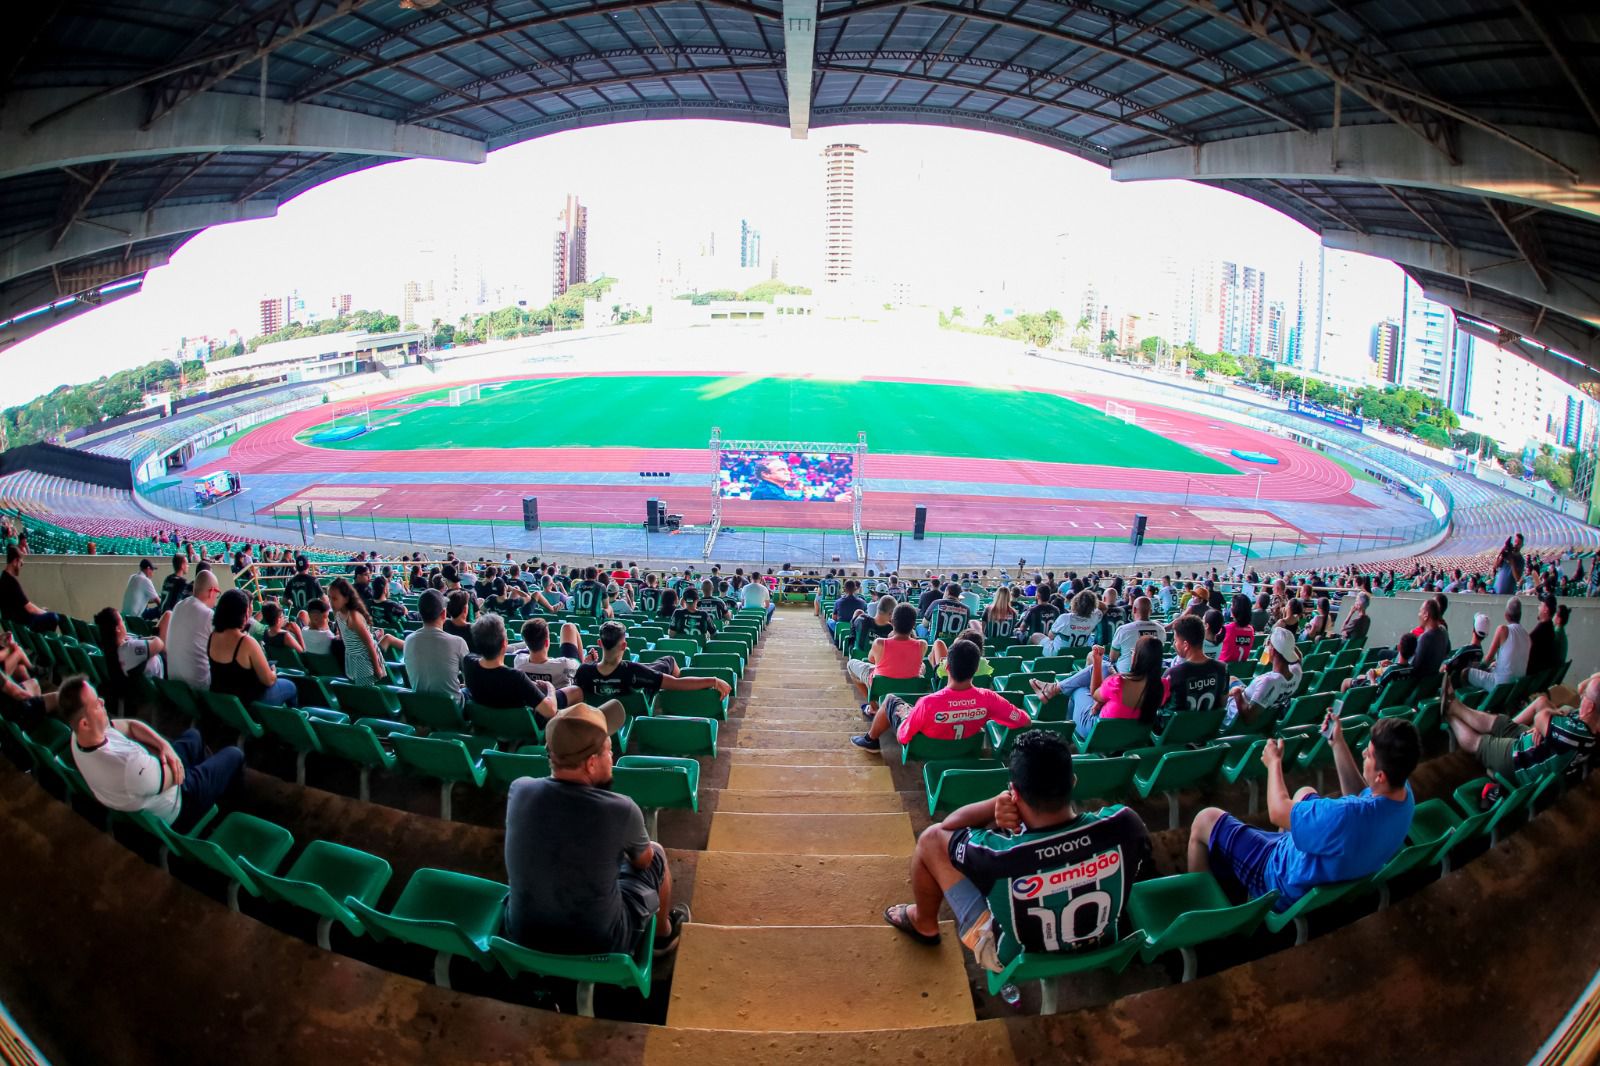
(749, 245)
(272, 314)
(1428, 342)
(1294, 346)
(1276, 340)
(341, 304)
(570, 252)
(1242, 308)
(1386, 350)
(839, 187)
(1572, 424)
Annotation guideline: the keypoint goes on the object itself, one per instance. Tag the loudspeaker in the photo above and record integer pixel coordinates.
(1136, 534)
(652, 516)
(530, 513)
(920, 527)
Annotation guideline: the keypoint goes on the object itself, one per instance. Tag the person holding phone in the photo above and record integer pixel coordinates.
(1319, 840)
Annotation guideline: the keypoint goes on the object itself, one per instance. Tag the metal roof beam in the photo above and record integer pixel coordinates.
(1389, 155)
(1541, 355)
(1479, 269)
(1577, 341)
(15, 331)
(96, 235)
(799, 52)
(108, 129)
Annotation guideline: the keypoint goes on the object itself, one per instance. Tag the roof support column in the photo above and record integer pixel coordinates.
(800, 47)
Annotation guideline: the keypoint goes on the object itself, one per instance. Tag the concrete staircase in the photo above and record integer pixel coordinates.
(808, 844)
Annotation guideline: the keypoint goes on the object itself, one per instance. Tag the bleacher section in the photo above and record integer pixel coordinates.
(370, 826)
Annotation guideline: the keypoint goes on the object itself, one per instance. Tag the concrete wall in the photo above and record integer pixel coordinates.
(79, 585)
(1394, 615)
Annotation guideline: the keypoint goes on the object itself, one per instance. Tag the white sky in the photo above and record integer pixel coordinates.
(954, 213)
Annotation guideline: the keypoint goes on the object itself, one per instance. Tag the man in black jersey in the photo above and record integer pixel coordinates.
(1026, 871)
(589, 595)
(302, 586)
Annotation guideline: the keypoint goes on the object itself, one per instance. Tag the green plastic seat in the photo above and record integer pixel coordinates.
(1190, 727)
(1243, 763)
(1319, 897)
(1005, 665)
(445, 912)
(354, 742)
(292, 726)
(1495, 700)
(432, 711)
(448, 760)
(1176, 770)
(178, 696)
(720, 646)
(1058, 664)
(320, 881)
(239, 836)
(314, 691)
(503, 767)
(655, 782)
(665, 735)
(1306, 711)
(1405, 860)
(909, 688)
(1058, 709)
(1104, 777)
(1001, 737)
(1512, 801)
(323, 664)
(1046, 969)
(1028, 652)
(923, 748)
(675, 644)
(505, 723)
(1359, 700)
(1331, 678)
(1181, 912)
(1242, 670)
(366, 701)
(731, 660)
(1318, 754)
(1112, 735)
(959, 786)
(233, 713)
(618, 969)
(693, 703)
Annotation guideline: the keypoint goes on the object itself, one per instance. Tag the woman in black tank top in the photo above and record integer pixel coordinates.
(243, 669)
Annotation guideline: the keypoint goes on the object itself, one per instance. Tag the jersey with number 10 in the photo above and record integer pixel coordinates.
(1057, 889)
(589, 597)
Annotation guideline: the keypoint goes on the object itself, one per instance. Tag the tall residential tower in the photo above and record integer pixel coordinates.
(839, 255)
(570, 259)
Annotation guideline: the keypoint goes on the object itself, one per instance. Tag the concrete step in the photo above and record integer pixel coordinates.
(815, 739)
(802, 697)
(789, 801)
(749, 889)
(819, 723)
(828, 978)
(840, 754)
(810, 778)
(812, 834)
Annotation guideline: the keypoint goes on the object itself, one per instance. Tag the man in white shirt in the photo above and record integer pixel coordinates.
(140, 599)
(433, 657)
(130, 767)
(557, 670)
(1128, 634)
(756, 594)
(189, 631)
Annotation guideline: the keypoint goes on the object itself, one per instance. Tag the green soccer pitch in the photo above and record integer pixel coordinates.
(673, 411)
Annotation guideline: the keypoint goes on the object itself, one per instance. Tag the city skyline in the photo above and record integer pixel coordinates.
(1062, 225)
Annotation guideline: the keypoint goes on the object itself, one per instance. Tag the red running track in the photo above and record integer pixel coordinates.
(1301, 475)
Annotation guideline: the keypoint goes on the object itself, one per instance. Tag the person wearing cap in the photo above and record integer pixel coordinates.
(302, 587)
(1469, 654)
(614, 676)
(585, 878)
(1268, 694)
(140, 599)
(1506, 658)
(1542, 652)
(1320, 840)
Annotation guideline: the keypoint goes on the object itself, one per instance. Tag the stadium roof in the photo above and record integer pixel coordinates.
(1457, 138)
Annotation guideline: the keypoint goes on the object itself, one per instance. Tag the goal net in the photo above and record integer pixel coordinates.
(463, 395)
(1122, 411)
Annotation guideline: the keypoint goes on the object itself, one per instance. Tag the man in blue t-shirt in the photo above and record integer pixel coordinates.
(1326, 840)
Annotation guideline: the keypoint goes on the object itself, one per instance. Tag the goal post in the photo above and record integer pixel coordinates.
(463, 394)
(1122, 411)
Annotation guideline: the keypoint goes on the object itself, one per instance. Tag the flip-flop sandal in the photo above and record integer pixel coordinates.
(895, 915)
(680, 915)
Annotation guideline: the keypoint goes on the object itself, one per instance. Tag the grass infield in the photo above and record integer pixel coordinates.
(669, 411)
